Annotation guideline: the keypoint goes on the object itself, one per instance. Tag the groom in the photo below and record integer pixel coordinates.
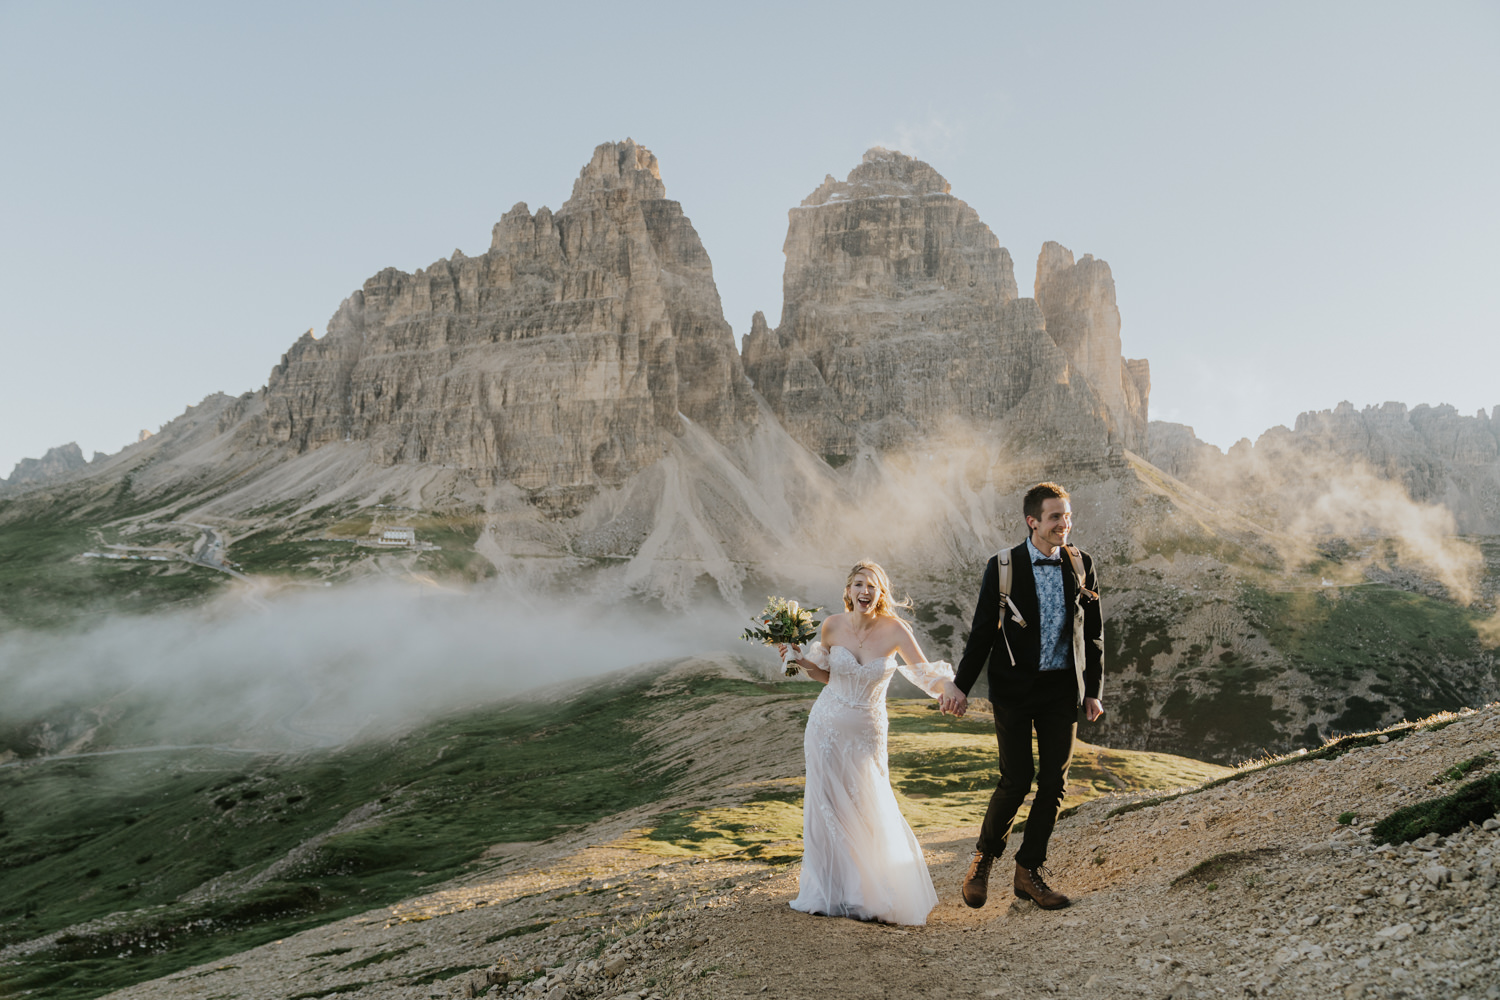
(1043, 638)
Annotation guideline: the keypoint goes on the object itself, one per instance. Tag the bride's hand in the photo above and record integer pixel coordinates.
(953, 700)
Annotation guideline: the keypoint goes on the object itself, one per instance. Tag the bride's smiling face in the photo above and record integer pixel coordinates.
(863, 593)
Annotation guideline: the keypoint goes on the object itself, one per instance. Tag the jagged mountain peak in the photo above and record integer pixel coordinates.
(56, 462)
(882, 173)
(617, 168)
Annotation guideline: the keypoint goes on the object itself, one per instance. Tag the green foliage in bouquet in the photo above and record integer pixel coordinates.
(784, 621)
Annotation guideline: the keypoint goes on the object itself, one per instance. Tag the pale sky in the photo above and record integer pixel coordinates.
(1298, 200)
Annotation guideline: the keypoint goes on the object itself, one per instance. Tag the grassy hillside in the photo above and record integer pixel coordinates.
(202, 853)
(138, 864)
(1214, 649)
(45, 582)
(1229, 663)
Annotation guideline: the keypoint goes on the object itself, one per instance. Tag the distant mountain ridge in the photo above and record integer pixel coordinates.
(568, 413)
(561, 359)
(1435, 453)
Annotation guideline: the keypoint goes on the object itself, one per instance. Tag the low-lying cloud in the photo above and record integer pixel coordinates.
(318, 667)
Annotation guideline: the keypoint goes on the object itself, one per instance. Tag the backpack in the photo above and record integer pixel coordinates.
(1002, 560)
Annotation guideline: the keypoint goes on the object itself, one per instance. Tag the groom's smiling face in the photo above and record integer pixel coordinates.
(1052, 529)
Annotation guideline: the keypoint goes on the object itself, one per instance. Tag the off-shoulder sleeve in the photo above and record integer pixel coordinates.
(815, 654)
(927, 676)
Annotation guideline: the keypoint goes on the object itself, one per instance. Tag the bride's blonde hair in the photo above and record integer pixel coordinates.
(885, 604)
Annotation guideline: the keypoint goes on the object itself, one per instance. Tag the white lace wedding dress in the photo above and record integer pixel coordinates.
(859, 856)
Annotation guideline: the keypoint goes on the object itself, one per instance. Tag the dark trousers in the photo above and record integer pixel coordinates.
(1051, 709)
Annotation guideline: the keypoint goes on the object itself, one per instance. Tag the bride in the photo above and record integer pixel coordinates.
(859, 856)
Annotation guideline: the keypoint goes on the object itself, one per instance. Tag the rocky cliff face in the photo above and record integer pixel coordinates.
(901, 314)
(558, 360)
(57, 462)
(1437, 455)
(1078, 301)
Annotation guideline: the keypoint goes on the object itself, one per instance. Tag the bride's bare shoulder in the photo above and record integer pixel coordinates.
(836, 621)
(895, 627)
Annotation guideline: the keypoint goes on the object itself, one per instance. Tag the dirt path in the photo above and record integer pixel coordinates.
(1296, 905)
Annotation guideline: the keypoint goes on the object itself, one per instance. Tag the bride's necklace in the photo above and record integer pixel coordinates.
(860, 637)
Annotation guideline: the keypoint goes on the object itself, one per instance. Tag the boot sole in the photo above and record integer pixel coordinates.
(1055, 906)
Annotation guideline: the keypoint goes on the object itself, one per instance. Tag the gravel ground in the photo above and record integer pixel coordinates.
(1291, 903)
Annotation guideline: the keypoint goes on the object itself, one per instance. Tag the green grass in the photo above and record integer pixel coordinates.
(84, 838)
(943, 772)
(44, 585)
(289, 546)
(1222, 549)
(456, 534)
(1355, 658)
(266, 552)
(1461, 770)
(767, 828)
(1402, 638)
(1472, 803)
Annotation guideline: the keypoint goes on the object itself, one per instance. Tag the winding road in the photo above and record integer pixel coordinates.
(209, 550)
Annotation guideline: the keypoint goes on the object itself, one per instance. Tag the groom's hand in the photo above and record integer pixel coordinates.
(953, 701)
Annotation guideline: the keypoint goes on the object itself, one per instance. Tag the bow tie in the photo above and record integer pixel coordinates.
(1046, 562)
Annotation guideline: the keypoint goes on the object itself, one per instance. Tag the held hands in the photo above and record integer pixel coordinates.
(953, 701)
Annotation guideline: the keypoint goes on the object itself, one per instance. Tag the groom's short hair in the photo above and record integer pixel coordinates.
(1031, 506)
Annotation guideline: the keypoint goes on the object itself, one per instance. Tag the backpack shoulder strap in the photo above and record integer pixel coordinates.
(1005, 573)
(1076, 558)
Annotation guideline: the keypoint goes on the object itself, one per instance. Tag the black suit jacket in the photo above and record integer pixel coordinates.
(1014, 679)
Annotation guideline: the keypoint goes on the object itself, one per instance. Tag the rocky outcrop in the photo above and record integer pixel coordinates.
(900, 315)
(1437, 455)
(1078, 301)
(585, 346)
(557, 361)
(57, 462)
(1176, 450)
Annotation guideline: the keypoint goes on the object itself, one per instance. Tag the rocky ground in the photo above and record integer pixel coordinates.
(1250, 888)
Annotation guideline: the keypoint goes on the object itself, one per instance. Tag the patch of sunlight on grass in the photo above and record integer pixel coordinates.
(767, 830)
(943, 772)
(944, 776)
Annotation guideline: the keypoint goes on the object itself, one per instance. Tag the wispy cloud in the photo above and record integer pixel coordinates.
(305, 667)
(934, 138)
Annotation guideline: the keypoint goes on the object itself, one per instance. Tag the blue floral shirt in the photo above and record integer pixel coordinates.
(1057, 642)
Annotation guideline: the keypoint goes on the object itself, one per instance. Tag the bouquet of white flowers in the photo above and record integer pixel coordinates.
(784, 621)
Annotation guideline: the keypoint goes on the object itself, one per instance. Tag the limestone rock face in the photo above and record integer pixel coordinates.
(57, 462)
(557, 360)
(1078, 300)
(900, 312)
(1437, 455)
(1177, 451)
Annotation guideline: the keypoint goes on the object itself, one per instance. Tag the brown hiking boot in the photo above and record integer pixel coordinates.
(977, 882)
(1030, 885)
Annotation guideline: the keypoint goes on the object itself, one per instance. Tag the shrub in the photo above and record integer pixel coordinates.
(1473, 803)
